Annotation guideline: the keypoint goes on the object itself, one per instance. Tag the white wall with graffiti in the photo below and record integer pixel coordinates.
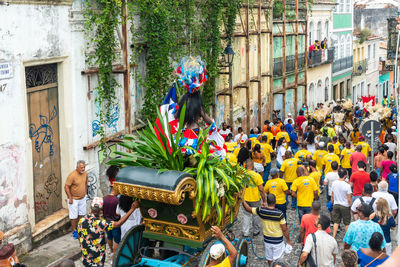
(36, 35)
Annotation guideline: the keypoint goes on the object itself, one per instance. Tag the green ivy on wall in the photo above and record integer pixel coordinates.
(102, 17)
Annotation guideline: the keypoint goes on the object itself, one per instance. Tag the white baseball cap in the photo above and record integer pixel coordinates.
(321, 144)
(216, 251)
(289, 114)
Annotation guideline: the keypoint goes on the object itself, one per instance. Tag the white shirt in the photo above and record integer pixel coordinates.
(311, 148)
(357, 202)
(133, 220)
(340, 191)
(280, 154)
(387, 196)
(330, 178)
(244, 137)
(326, 246)
(392, 147)
(226, 132)
(287, 121)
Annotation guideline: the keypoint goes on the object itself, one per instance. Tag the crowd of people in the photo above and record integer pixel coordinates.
(314, 158)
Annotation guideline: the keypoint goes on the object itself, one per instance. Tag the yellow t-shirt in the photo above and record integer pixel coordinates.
(354, 137)
(230, 157)
(224, 263)
(289, 167)
(336, 148)
(251, 194)
(319, 158)
(305, 187)
(317, 177)
(328, 159)
(254, 141)
(269, 135)
(331, 132)
(284, 135)
(302, 153)
(236, 151)
(267, 149)
(230, 146)
(277, 187)
(365, 148)
(346, 153)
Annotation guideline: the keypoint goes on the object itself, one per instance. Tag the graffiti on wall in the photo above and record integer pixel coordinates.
(92, 185)
(3, 87)
(44, 133)
(13, 199)
(111, 119)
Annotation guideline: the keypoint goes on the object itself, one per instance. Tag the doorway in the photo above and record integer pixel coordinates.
(43, 112)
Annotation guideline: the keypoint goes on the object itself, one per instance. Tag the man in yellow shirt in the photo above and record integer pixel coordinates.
(345, 158)
(279, 189)
(269, 134)
(252, 196)
(302, 153)
(366, 149)
(288, 172)
(267, 150)
(336, 145)
(305, 190)
(315, 174)
(319, 155)
(217, 251)
(283, 134)
(329, 158)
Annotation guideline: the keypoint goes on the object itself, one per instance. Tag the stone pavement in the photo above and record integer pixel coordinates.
(52, 252)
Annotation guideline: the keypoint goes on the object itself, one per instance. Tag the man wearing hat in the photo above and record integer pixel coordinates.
(8, 255)
(92, 233)
(278, 187)
(217, 251)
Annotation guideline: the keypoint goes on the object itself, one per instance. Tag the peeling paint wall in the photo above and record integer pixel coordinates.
(42, 34)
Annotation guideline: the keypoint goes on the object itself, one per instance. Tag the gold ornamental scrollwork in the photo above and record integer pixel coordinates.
(173, 230)
(187, 185)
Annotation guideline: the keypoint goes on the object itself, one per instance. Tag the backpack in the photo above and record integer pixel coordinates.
(370, 203)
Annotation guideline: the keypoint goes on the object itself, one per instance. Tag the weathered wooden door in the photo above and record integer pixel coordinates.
(42, 96)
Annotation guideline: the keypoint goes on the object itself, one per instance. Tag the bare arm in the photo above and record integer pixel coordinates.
(228, 245)
(285, 232)
(332, 198)
(121, 221)
(349, 199)
(262, 193)
(294, 194)
(303, 258)
(346, 246)
(334, 258)
(394, 212)
(207, 119)
(302, 233)
(246, 206)
(68, 192)
(316, 197)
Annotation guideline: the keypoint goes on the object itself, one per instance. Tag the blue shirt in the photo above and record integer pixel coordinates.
(359, 233)
(253, 135)
(364, 260)
(393, 179)
(289, 128)
(293, 138)
(390, 223)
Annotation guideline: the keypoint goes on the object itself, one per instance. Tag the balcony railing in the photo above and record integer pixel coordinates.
(290, 64)
(319, 57)
(342, 64)
(360, 67)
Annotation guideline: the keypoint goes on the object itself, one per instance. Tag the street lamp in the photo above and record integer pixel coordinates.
(229, 54)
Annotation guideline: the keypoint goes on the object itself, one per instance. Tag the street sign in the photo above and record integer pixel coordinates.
(371, 130)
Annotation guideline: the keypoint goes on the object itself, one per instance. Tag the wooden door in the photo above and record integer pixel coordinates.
(42, 96)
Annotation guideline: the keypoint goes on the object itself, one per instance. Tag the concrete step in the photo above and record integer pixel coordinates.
(51, 227)
(53, 252)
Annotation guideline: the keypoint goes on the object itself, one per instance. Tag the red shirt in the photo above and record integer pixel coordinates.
(308, 223)
(355, 158)
(359, 179)
(300, 120)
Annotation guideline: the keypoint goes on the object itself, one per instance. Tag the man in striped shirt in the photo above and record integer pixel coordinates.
(274, 228)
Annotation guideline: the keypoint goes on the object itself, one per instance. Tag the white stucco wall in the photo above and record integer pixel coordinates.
(34, 35)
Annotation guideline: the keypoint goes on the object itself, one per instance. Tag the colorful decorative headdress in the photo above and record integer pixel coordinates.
(192, 73)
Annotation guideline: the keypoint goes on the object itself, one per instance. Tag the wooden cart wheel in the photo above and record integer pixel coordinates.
(205, 255)
(127, 253)
(242, 248)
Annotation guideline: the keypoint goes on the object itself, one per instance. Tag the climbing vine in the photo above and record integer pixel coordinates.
(102, 17)
(171, 29)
